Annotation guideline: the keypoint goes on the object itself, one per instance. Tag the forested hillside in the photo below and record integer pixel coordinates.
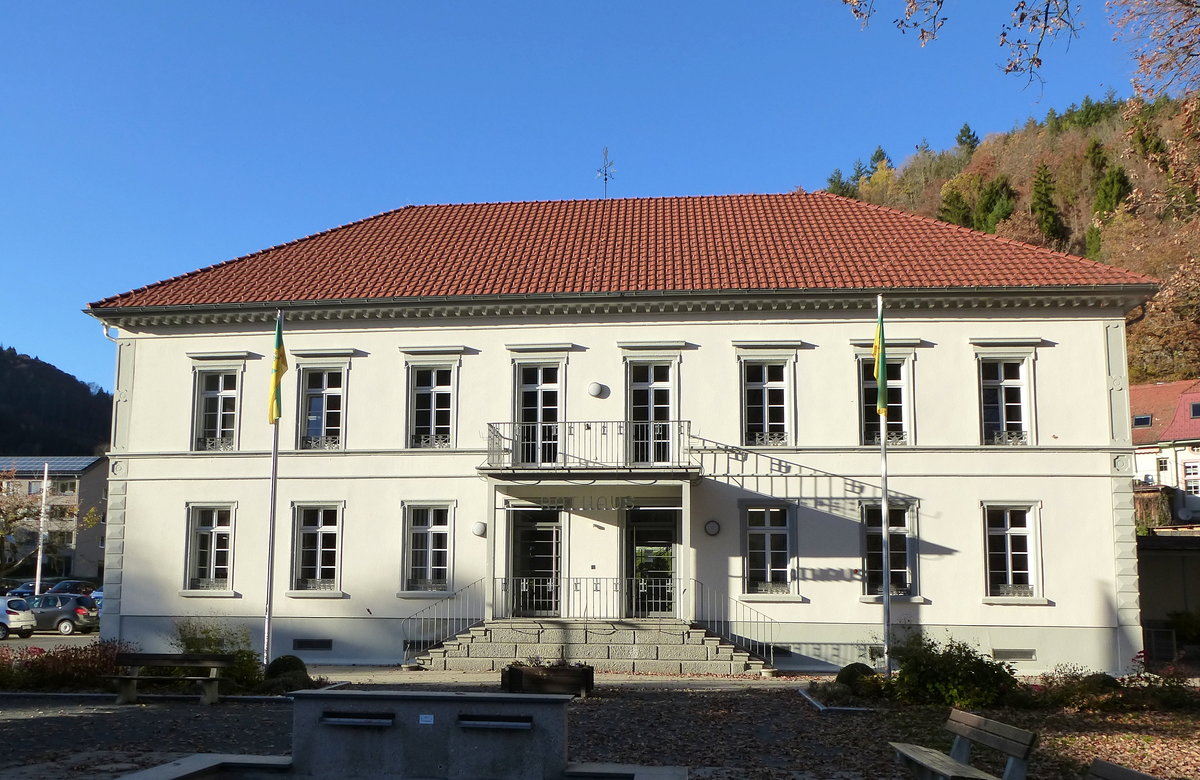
(44, 411)
(1114, 180)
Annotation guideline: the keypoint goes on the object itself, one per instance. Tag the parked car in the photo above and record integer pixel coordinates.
(82, 587)
(98, 597)
(26, 588)
(65, 613)
(15, 617)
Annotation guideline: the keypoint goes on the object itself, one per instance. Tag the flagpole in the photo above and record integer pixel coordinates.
(278, 367)
(885, 518)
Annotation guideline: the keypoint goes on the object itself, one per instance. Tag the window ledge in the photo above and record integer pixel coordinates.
(210, 594)
(782, 598)
(1018, 601)
(895, 600)
(429, 595)
(315, 594)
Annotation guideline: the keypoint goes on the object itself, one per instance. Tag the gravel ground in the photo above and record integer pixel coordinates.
(752, 733)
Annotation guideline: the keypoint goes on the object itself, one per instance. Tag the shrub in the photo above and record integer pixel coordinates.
(286, 664)
(1074, 687)
(860, 679)
(953, 674)
(62, 668)
(209, 635)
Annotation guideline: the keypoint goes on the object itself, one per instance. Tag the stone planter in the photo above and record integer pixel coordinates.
(573, 680)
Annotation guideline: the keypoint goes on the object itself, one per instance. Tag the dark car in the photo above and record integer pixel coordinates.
(65, 613)
(26, 587)
(82, 587)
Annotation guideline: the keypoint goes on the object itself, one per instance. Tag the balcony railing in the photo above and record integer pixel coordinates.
(589, 444)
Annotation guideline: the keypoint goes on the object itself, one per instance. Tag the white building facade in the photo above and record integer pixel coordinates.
(523, 414)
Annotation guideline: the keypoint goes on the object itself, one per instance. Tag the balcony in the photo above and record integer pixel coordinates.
(591, 445)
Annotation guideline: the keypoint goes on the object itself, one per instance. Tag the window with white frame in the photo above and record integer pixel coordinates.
(899, 567)
(210, 548)
(322, 417)
(1191, 477)
(1004, 401)
(897, 401)
(1011, 553)
(768, 550)
(431, 406)
(35, 487)
(216, 410)
(64, 486)
(316, 548)
(1164, 464)
(764, 399)
(427, 554)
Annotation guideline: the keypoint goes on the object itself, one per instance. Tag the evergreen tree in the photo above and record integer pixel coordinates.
(955, 209)
(841, 186)
(967, 138)
(878, 158)
(997, 200)
(1112, 191)
(1097, 159)
(859, 173)
(1042, 205)
(1091, 238)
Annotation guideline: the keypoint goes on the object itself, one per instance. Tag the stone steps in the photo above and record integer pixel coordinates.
(649, 646)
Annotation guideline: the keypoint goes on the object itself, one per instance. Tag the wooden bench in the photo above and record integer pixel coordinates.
(127, 684)
(1103, 770)
(927, 763)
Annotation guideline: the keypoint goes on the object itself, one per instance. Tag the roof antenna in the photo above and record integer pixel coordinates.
(605, 171)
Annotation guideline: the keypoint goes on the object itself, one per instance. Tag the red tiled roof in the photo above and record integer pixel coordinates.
(1169, 405)
(796, 241)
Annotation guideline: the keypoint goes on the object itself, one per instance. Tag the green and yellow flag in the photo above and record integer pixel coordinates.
(879, 353)
(278, 368)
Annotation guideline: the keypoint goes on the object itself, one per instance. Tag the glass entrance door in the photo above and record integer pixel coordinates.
(652, 586)
(537, 414)
(536, 564)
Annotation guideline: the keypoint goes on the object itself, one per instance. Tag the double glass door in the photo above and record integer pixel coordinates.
(651, 543)
(536, 564)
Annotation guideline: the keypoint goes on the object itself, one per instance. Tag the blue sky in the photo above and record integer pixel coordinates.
(141, 140)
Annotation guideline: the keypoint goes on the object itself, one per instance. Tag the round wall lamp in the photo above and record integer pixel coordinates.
(479, 529)
(597, 390)
(712, 528)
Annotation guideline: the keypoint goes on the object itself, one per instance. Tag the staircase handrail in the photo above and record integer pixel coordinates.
(736, 622)
(420, 630)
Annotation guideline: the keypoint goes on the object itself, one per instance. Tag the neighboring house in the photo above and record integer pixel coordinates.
(1166, 435)
(74, 546)
(617, 409)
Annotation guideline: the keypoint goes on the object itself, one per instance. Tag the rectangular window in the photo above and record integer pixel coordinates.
(897, 398)
(432, 405)
(35, 487)
(764, 395)
(210, 554)
(538, 413)
(1010, 551)
(1195, 410)
(322, 417)
(1142, 420)
(650, 408)
(1003, 401)
(216, 410)
(1191, 478)
(1164, 464)
(64, 487)
(428, 561)
(899, 568)
(316, 551)
(768, 550)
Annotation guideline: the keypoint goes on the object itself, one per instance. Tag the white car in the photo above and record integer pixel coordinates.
(16, 617)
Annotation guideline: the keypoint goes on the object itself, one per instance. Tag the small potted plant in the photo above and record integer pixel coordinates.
(535, 675)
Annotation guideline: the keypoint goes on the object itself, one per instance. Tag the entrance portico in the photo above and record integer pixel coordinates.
(604, 549)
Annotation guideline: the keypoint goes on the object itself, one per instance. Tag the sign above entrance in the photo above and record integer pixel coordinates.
(578, 503)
